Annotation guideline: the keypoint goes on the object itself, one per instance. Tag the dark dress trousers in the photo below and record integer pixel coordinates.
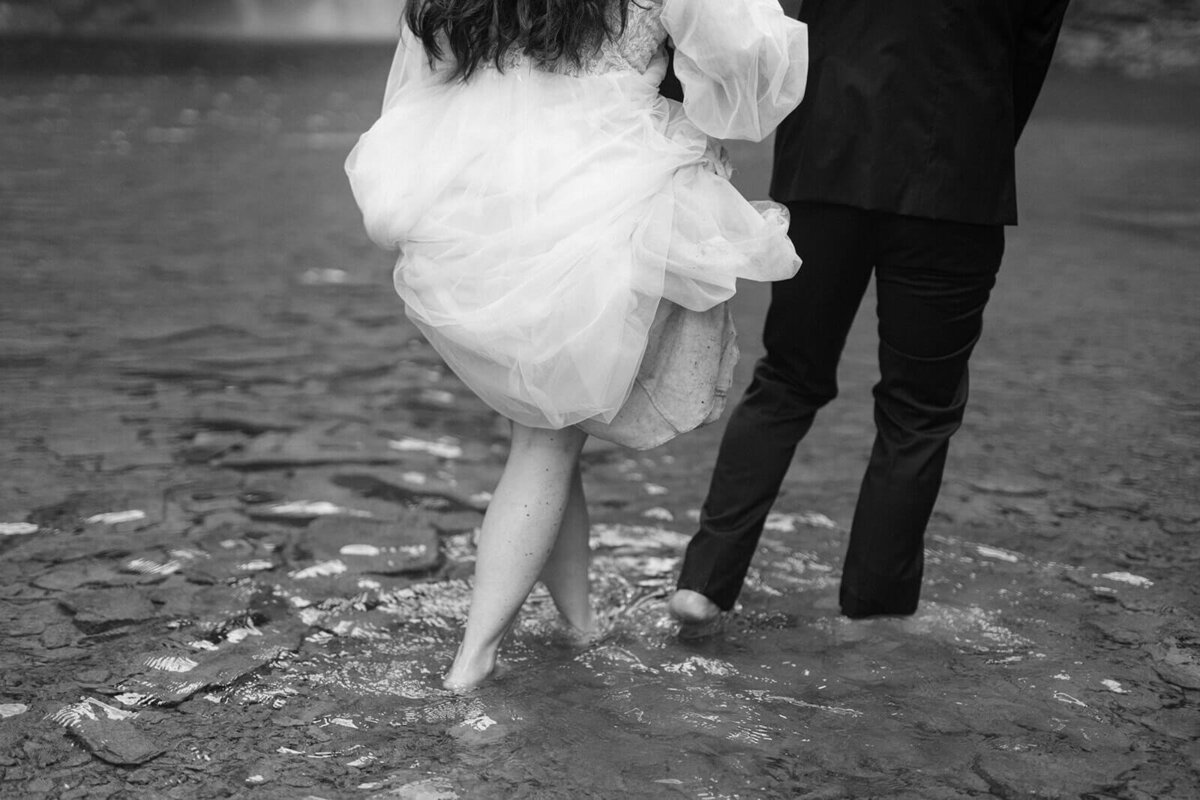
(898, 163)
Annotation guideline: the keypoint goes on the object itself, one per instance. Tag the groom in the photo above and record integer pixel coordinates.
(899, 161)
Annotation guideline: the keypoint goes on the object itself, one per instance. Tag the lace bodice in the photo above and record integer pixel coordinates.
(742, 63)
(632, 50)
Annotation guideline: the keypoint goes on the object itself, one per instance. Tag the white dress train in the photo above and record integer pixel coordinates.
(543, 216)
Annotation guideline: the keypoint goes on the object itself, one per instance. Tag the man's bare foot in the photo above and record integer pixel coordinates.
(692, 608)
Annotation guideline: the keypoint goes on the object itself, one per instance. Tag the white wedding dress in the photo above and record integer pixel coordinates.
(542, 216)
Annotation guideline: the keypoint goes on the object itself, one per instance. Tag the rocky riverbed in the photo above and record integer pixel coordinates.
(239, 490)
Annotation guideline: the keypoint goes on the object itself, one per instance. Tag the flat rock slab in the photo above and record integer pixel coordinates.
(1043, 775)
(77, 574)
(109, 733)
(117, 742)
(1176, 664)
(115, 512)
(453, 522)
(307, 449)
(408, 544)
(175, 676)
(100, 609)
(430, 496)
(427, 789)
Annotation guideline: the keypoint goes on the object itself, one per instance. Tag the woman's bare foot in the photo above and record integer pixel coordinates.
(466, 675)
(692, 608)
(582, 632)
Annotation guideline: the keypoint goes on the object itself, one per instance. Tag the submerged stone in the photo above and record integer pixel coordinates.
(170, 678)
(1176, 665)
(408, 544)
(117, 742)
(307, 449)
(74, 575)
(101, 609)
(108, 732)
(1012, 775)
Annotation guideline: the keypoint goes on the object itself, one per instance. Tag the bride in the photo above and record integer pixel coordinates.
(568, 238)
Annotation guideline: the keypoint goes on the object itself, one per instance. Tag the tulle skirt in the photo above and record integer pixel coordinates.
(541, 220)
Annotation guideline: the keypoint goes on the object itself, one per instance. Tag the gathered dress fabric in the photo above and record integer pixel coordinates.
(546, 217)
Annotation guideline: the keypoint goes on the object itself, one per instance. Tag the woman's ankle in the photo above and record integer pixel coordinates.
(468, 672)
(581, 619)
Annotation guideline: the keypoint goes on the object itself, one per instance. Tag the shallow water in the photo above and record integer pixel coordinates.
(194, 327)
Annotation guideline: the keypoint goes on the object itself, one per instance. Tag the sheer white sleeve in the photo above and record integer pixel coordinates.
(410, 68)
(743, 64)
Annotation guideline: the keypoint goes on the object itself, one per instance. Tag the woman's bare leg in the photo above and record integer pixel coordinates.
(566, 571)
(518, 532)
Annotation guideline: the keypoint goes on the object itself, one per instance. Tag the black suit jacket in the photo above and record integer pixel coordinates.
(915, 106)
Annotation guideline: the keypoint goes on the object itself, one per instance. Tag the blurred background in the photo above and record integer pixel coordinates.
(325, 19)
(1141, 37)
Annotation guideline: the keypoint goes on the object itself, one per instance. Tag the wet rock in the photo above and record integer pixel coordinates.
(307, 449)
(140, 777)
(117, 743)
(40, 786)
(124, 520)
(209, 603)
(265, 771)
(1127, 629)
(66, 654)
(408, 544)
(184, 371)
(1123, 502)
(84, 437)
(102, 609)
(1013, 775)
(1176, 665)
(73, 576)
(67, 513)
(29, 625)
(427, 789)
(1178, 723)
(217, 493)
(303, 511)
(41, 753)
(453, 522)
(1007, 487)
(90, 544)
(428, 495)
(154, 566)
(109, 733)
(171, 678)
(92, 676)
(228, 522)
(443, 448)
(481, 730)
(247, 422)
(206, 446)
(304, 714)
(835, 792)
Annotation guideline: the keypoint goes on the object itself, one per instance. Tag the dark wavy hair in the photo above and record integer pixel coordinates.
(546, 31)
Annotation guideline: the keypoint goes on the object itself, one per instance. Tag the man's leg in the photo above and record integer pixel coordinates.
(805, 330)
(933, 280)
